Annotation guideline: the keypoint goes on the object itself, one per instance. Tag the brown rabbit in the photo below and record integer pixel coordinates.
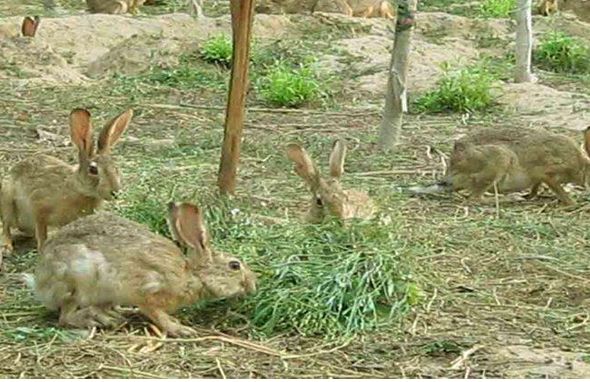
(515, 159)
(43, 191)
(328, 197)
(359, 8)
(114, 6)
(547, 7)
(102, 261)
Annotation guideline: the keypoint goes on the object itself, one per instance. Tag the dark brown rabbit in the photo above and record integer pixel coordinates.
(515, 160)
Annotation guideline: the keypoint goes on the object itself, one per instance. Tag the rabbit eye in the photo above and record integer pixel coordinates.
(234, 265)
(93, 168)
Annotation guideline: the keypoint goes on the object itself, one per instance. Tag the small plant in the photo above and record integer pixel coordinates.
(463, 90)
(287, 86)
(497, 8)
(561, 53)
(218, 50)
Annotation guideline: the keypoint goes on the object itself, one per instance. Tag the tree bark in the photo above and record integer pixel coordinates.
(396, 97)
(524, 42)
(241, 14)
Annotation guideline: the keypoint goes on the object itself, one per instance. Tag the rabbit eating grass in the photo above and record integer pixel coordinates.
(328, 196)
(102, 260)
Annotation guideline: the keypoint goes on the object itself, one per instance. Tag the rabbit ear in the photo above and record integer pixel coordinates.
(304, 166)
(587, 140)
(187, 226)
(81, 132)
(112, 131)
(337, 157)
(29, 26)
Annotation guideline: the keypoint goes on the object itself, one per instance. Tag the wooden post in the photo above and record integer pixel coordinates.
(241, 16)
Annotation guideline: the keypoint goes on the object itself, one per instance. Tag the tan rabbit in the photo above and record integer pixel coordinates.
(114, 6)
(102, 261)
(359, 8)
(547, 7)
(515, 159)
(42, 191)
(328, 197)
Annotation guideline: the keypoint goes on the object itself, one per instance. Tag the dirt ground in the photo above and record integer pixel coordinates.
(507, 292)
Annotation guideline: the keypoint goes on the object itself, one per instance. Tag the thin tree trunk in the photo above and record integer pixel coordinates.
(524, 42)
(396, 97)
(195, 8)
(241, 14)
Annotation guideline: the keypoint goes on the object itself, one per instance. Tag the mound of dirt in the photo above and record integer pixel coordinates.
(545, 106)
(564, 22)
(71, 49)
(581, 8)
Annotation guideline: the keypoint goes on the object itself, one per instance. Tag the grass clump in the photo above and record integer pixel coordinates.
(218, 50)
(287, 86)
(325, 280)
(497, 8)
(560, 53)
(463, 90)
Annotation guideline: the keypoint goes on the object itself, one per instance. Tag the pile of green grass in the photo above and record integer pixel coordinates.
(560, 53)
(459, 90)
(327, 280)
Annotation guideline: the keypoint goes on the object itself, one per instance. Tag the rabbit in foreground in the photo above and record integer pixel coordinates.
(114, 6)
(515, 160)
(328, 197)
(43, 191)
(103, 260)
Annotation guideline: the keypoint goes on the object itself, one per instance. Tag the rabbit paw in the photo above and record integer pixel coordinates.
(179, 330)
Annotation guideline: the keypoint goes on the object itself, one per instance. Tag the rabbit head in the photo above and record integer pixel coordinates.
(98, 175)
(328, 196)
(221, 274)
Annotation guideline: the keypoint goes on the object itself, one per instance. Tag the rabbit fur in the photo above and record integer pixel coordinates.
(357, 8)
(328, 196)
(103, 260)
(114, 6)
(515, 160)
(43, 191)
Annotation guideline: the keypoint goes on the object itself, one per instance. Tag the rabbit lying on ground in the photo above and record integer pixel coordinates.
(114, 6)
(100, 261)
(43, 191)
(328, 197)
(358, 8)
(515, 160)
